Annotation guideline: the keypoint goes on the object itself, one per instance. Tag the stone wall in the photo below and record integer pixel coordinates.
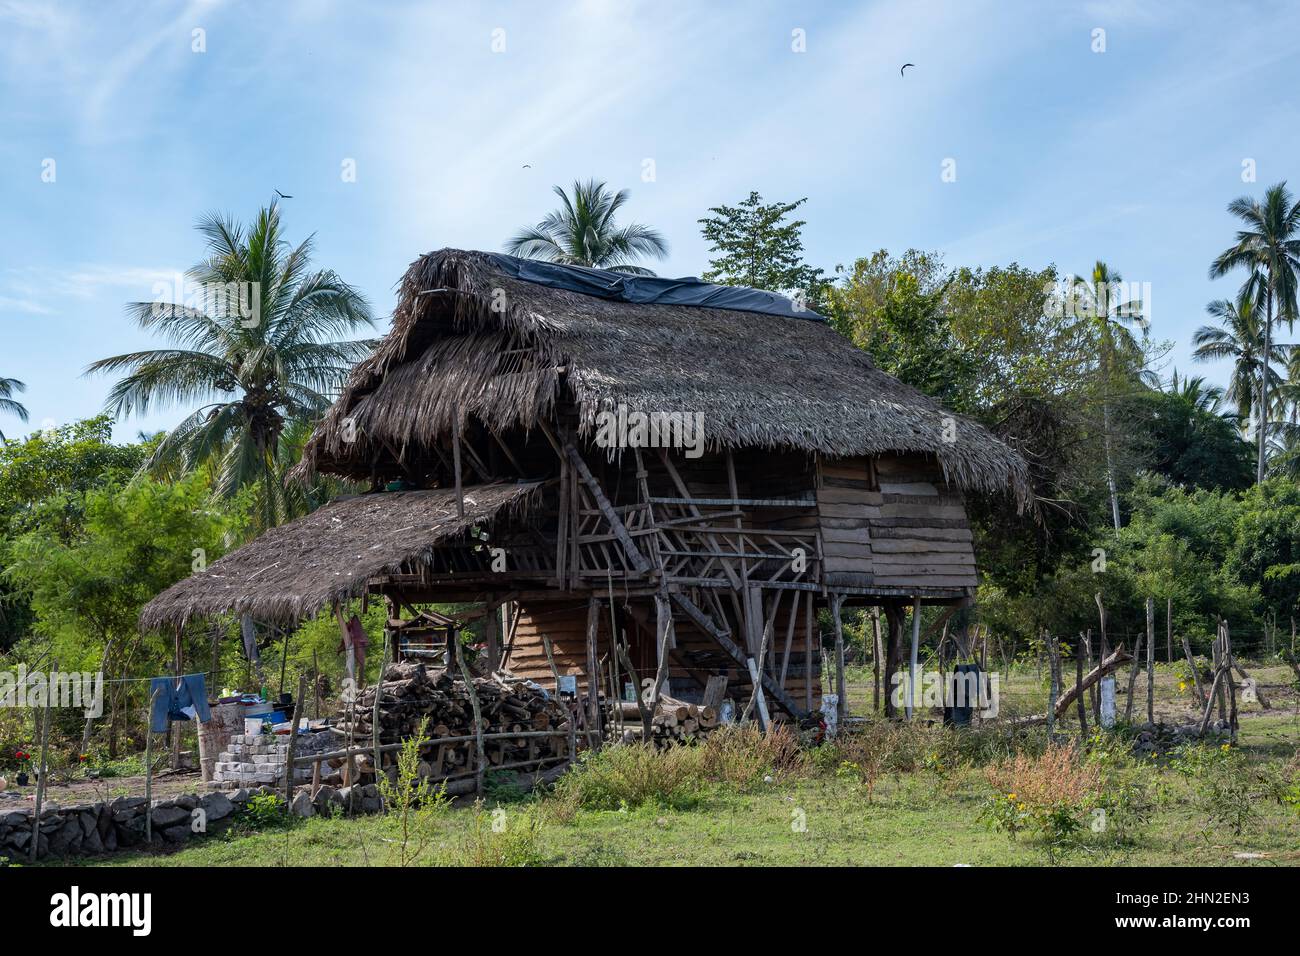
(90, 829)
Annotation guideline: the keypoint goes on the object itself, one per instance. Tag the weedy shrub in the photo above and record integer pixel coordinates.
(264, 811)
(1050, 797)
(1227, 789)
(865, 756)
(742, 755)
(631, 775)
(414, 809)
(503, 786)
(498, 837)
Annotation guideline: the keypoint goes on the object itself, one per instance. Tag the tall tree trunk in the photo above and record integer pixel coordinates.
(1105, 425)
(1263, 384)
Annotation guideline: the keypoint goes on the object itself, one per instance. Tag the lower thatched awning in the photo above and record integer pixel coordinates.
(291, 572)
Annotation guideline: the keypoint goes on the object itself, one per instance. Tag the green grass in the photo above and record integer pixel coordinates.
(918, 817)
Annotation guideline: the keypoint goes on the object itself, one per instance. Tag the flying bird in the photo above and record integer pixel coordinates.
(282, 195)
(527, 166)
(905, 66)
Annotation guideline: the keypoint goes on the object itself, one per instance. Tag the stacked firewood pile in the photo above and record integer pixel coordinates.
(674, 721)
(410, 694)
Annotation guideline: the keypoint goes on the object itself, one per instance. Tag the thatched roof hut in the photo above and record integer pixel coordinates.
(291, 572)
(818, 480)
(468, 337)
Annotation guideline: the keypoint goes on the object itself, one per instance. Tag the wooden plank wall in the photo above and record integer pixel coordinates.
(891, 521)
(697, 654)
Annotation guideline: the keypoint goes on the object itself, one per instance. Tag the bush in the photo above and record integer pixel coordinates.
(499, 838)
(1228, 790)
(264, 811)
(1049, 796)
(742, 755)
(630, 775)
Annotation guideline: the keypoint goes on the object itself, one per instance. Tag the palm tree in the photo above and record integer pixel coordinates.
(1118, 350)
(1238, 337)
(1269, 248)
(259, 348)
(1197, 394)
(8, 386)
(582, 232)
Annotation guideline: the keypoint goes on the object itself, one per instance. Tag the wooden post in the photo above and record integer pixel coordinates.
(1132, 680)
(1169, 630)
(1232, 685)
(808, 655)
(214, 629)
(41, 771)
(374, 713)
(293, 737)
(1216, 658)
(841, 707)
(479, 754)
(1196, 672)
(593, 671)
(876, 648)
(148, 769)
(1094, 693)
(1053, 651)
(173, 727)
(1078, 688)
(1151, 660)
(912, 665)
(646, 713)
(315, 685)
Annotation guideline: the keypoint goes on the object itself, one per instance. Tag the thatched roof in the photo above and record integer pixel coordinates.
(466, 336)
(291, 572)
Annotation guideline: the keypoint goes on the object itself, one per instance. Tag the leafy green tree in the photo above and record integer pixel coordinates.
(43, 479)
(1191, 443)
(1239, 338)
(894, 310)
(136, 540)
(753, 245)
(259, 348)
(1266, 546)
(583, 232)
(8, 404)
(1268, 247)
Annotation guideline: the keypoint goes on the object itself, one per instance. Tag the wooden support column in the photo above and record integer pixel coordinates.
(877, 646)
(893, 656)
(808, 653)
(841, 708)
(593, 670)
(912, 663)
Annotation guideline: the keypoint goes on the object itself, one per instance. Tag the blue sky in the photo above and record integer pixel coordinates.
(1063, 155)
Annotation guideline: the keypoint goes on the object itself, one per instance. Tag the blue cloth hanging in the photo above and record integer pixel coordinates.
(171, 699)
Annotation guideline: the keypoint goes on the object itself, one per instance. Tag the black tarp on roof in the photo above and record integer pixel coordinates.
(642, 290)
